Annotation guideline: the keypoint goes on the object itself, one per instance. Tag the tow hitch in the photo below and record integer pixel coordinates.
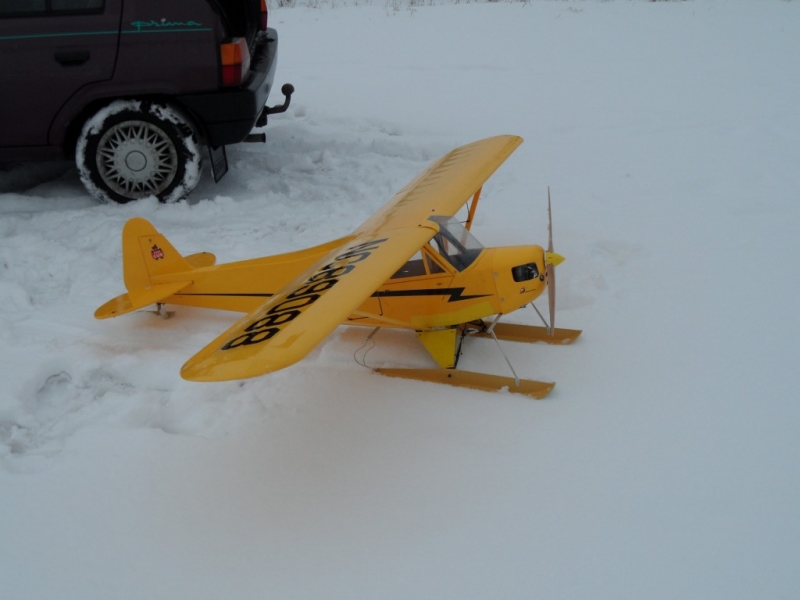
(287, 89)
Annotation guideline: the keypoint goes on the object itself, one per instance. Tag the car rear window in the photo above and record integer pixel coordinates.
(240, 18)
(38, 7)
(75, 5)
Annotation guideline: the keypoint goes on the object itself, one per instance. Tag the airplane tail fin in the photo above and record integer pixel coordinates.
(148, 256)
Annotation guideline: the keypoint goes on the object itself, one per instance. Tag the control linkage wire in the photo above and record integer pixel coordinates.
(367, 342)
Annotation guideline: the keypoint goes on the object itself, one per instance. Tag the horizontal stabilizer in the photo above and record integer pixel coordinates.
(201, 259)
(139, 299)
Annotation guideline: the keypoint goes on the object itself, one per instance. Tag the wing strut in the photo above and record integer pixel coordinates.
(472, 207)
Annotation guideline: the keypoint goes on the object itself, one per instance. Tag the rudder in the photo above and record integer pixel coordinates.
(147, 254)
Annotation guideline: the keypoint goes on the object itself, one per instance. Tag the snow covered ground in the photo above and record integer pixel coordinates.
(666, 462)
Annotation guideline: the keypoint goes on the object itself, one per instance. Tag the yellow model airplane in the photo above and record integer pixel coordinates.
(412, 265)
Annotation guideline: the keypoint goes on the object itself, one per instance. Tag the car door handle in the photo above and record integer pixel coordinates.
(72, 58)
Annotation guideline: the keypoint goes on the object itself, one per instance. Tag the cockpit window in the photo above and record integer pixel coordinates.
(413, 268)
(420, 264)
(455, 243)
(433, 266)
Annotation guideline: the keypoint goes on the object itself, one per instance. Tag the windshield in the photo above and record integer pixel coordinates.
(455, 243)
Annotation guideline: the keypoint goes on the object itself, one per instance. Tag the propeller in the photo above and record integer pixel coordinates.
(551, 260)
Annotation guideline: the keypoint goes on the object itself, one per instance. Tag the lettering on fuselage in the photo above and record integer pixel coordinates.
(305, 295)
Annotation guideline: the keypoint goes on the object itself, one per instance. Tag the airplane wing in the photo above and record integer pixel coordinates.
(292, 322)
(446, 185)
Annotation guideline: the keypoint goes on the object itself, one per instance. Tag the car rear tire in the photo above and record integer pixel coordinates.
(136, 149)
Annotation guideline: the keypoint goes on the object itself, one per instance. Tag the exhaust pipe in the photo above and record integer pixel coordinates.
(255, 138)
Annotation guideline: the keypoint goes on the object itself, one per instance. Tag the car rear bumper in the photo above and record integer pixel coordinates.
(227, 116)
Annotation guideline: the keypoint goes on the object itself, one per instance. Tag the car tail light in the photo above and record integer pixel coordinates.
(264, 15)
(235, 58)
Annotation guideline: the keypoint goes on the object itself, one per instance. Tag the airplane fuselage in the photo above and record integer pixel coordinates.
(427, 293)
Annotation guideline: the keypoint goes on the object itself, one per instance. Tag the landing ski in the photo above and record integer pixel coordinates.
(472, 380)
(530, 334)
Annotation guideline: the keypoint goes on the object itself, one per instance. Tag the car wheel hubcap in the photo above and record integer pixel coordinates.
(137, 159)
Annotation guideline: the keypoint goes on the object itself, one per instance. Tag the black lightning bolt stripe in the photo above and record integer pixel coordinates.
(456, 294)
